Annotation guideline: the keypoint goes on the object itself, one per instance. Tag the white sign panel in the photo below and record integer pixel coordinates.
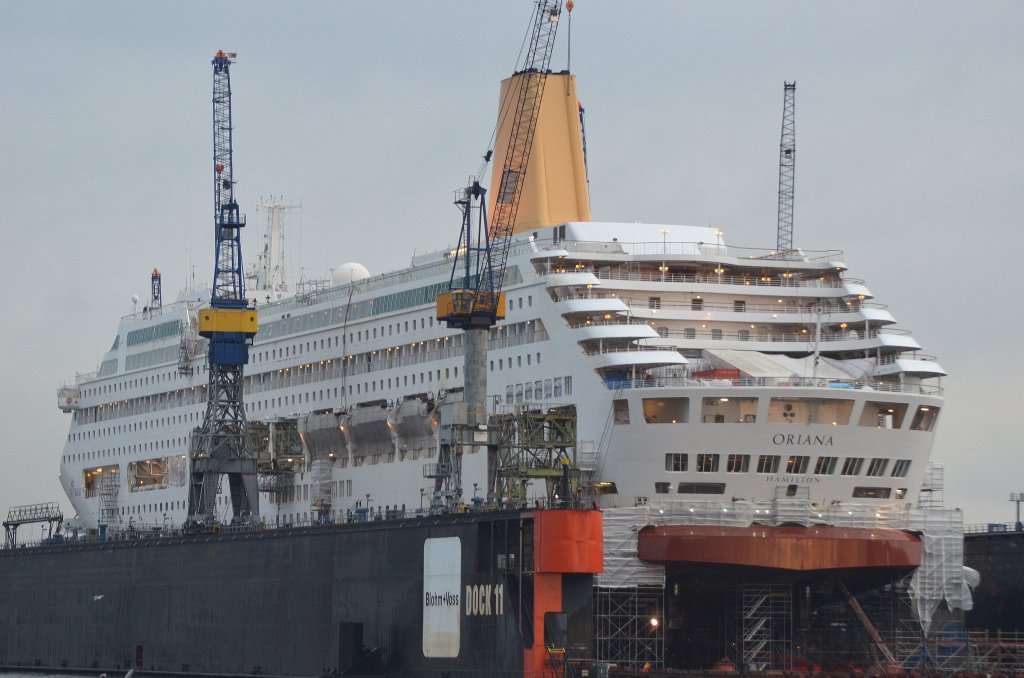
(442, 578)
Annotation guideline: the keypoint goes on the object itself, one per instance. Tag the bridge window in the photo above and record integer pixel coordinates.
(707, 463)
(883, 415)
(797, 464)
(810, 411)
(701, 488)
(825, 466)
(872, 492)
(924, 418)
(737, 463)
(877, 466)
(900, 468)
(675, 462)
(620, 411)
(852, 466)
(729, 410)
(666, 410)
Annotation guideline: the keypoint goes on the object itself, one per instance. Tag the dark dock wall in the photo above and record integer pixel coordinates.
(998, 557)
(279, 602)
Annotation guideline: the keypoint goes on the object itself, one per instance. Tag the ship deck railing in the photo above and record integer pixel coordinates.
(993, 528)
(614, 384)
(789, 307)
(805, 338)
(131, 531)
(656, 276)
(682, 248)
(785, 510)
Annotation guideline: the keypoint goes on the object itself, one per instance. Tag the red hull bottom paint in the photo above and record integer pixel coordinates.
(817, 548)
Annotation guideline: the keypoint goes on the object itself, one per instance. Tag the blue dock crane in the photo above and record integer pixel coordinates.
(221, 445)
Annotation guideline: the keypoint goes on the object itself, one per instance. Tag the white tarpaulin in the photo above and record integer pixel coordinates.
(765, 365)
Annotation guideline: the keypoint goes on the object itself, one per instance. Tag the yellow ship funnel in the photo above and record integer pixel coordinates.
(556, 177)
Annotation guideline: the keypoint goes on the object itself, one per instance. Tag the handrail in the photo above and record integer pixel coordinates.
(681, 248)
(787, 308)
(614, 383)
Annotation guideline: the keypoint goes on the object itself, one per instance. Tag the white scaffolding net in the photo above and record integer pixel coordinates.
(622, 567)
(939, 580)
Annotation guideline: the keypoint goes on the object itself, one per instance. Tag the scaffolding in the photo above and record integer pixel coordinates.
(110, 487)
(916, 620)
(766, 620)
(930, 496)
(628, 628)
(537, 443)
(629, 599)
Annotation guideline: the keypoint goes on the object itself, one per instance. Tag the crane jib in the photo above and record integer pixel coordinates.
(479, 306)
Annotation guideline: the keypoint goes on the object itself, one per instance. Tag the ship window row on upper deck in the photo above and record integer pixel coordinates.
(780, 410)
(348, 312)
(793, 464)
(674, 273)
(153, 333)
(860, 492)
(507, 335)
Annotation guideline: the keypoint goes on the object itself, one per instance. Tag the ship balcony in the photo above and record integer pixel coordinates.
(824, 285)
(591, 304)
(920, 366)
(761, 339)
(763, 294)
(762, 313)
(672, 380)
(590, 330)
(617, 356)
(898, 339)
(570, 278)
(856, 288)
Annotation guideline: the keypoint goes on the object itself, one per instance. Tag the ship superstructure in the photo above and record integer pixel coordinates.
(697, 371)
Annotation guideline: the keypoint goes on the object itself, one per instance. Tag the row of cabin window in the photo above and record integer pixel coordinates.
(371, 333)
(535, 390)
(118, 386)
(795, 464)
(782, 410)
(300, 348)
(719, 488)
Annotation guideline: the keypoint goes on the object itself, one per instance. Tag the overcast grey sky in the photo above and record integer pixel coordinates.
(909, 123)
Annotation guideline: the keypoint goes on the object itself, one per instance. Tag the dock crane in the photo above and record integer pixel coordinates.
(221, 445)
(787, 169)
(474, 301)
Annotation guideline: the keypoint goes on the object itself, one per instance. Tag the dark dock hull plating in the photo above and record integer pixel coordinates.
(999, 598)
(458, 595)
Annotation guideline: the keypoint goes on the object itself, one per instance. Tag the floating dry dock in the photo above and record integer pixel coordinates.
(473, 594)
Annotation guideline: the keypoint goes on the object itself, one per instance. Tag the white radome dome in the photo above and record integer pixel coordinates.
(348, 273)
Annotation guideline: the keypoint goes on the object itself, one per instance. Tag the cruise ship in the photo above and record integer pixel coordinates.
(700, 373)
